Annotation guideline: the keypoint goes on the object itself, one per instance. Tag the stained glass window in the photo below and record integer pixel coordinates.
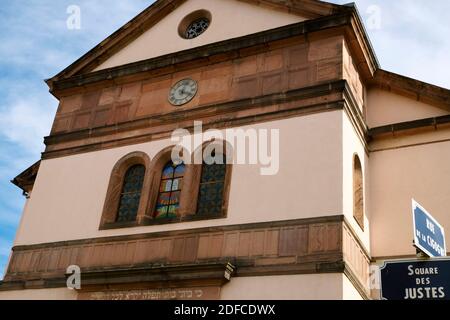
(212, 184)
(170, 190)
(196, 28)
(131, 194)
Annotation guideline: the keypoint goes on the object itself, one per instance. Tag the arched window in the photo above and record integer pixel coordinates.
(358, 192)
(125, 201)
(212, 185)
(168, 201)
(143, 192)
(131, 194)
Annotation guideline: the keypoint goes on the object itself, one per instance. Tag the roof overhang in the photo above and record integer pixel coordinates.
(26, 179)
(160, 9)
(347, 23)
(412, 88)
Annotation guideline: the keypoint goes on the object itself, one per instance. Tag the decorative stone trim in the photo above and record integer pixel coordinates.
(304, 246)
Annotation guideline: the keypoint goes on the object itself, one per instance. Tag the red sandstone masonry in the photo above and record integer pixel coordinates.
(296, 245)
(278, 70)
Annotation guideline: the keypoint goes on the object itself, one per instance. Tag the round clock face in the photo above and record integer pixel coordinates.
(183, 92)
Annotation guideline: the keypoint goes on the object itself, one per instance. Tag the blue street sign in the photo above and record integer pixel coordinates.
(429, 235)
(416, 280)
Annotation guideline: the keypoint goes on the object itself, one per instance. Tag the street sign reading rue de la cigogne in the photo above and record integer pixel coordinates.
(429, 235)
(420, 279)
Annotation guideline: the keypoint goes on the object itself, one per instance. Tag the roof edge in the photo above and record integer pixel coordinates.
(26, 179)
(137, 25)
(202, 52)
(155, 13)
(314, 8)
(433, 123)
(413, 88)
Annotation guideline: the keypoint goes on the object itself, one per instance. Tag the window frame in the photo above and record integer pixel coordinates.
(171, 191)
(358, 189)
(114, 191)
(123, 193)
(226, 183)
(187, 210)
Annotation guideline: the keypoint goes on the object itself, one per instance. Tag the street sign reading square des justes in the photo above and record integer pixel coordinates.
(416, 279)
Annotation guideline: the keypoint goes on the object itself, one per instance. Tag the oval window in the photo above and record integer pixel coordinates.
(194, 24)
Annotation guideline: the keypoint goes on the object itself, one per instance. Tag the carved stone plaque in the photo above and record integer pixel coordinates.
(197, 293)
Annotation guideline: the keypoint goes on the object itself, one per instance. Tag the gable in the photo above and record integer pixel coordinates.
(160, 9)
(385, 108)
(229, 19)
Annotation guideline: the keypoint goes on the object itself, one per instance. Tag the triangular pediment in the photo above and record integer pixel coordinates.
(229, 19)
(158, 30)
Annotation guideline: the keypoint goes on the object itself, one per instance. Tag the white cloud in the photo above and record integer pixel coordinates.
(35, 44)
(38, 48)
(413, 38)
(25, 122)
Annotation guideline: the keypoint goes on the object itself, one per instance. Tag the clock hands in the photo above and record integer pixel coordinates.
(183, 92)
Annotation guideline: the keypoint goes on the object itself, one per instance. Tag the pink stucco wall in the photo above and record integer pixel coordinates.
(69, 193)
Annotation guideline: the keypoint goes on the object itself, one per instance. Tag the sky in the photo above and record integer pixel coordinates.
(410, 37)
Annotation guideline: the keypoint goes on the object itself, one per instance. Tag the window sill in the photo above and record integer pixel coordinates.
(119, 225)
(360, 224)
(154, 222)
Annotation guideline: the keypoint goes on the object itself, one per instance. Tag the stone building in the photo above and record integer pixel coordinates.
(356, 144)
